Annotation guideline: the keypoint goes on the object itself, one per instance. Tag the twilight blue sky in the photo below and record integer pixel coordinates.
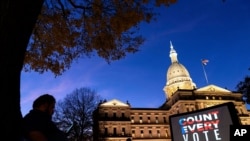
(211, 29)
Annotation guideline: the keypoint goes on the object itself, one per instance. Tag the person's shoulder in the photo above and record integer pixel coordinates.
(33, 115)
(30, 113)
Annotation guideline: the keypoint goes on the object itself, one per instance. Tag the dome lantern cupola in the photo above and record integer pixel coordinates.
(173, 54)
(177, 76)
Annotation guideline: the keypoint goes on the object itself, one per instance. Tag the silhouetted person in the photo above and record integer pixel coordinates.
(38, 124)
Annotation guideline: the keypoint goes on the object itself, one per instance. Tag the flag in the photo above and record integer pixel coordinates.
(204, 61)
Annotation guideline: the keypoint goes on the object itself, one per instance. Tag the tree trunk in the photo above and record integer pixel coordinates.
(17, 19)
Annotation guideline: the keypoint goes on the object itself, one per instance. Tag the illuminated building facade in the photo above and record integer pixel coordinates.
(115, 120)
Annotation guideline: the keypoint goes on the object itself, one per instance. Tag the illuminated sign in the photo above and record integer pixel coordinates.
(209, 124)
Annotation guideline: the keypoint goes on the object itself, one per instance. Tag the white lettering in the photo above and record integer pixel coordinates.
(240, 132)
(184, 129)
(217, 134)
(243, 131)
(191, 128)
(195, 137)
(205, 133)
(185, 137)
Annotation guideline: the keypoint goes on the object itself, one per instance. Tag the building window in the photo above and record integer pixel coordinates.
(114, 131)
(148, 119)
(141, 133)
(133, 133)
(156, 120)
(140, 119)
(106, 131)
(150, 133)
(166, 133)
(123, 115)
(106, 115)
(114, 115)
(164, 120)
(192, 108)
(123, 131)
(132, 119)
(158, 133)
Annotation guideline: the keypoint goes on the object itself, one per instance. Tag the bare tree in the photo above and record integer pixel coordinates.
(77, 109)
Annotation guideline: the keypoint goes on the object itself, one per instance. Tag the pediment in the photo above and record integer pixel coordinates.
(115, 102)
(212, 88)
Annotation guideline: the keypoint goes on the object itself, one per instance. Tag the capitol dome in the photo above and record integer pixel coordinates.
(176, 70)
(177, 76)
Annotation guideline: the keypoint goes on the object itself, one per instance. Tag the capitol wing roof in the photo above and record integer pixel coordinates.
(115, 102)
(212, 88)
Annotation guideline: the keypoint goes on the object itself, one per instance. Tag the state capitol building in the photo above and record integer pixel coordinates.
(115, 120)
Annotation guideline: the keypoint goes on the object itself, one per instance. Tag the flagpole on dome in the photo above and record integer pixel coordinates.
(203, 63)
